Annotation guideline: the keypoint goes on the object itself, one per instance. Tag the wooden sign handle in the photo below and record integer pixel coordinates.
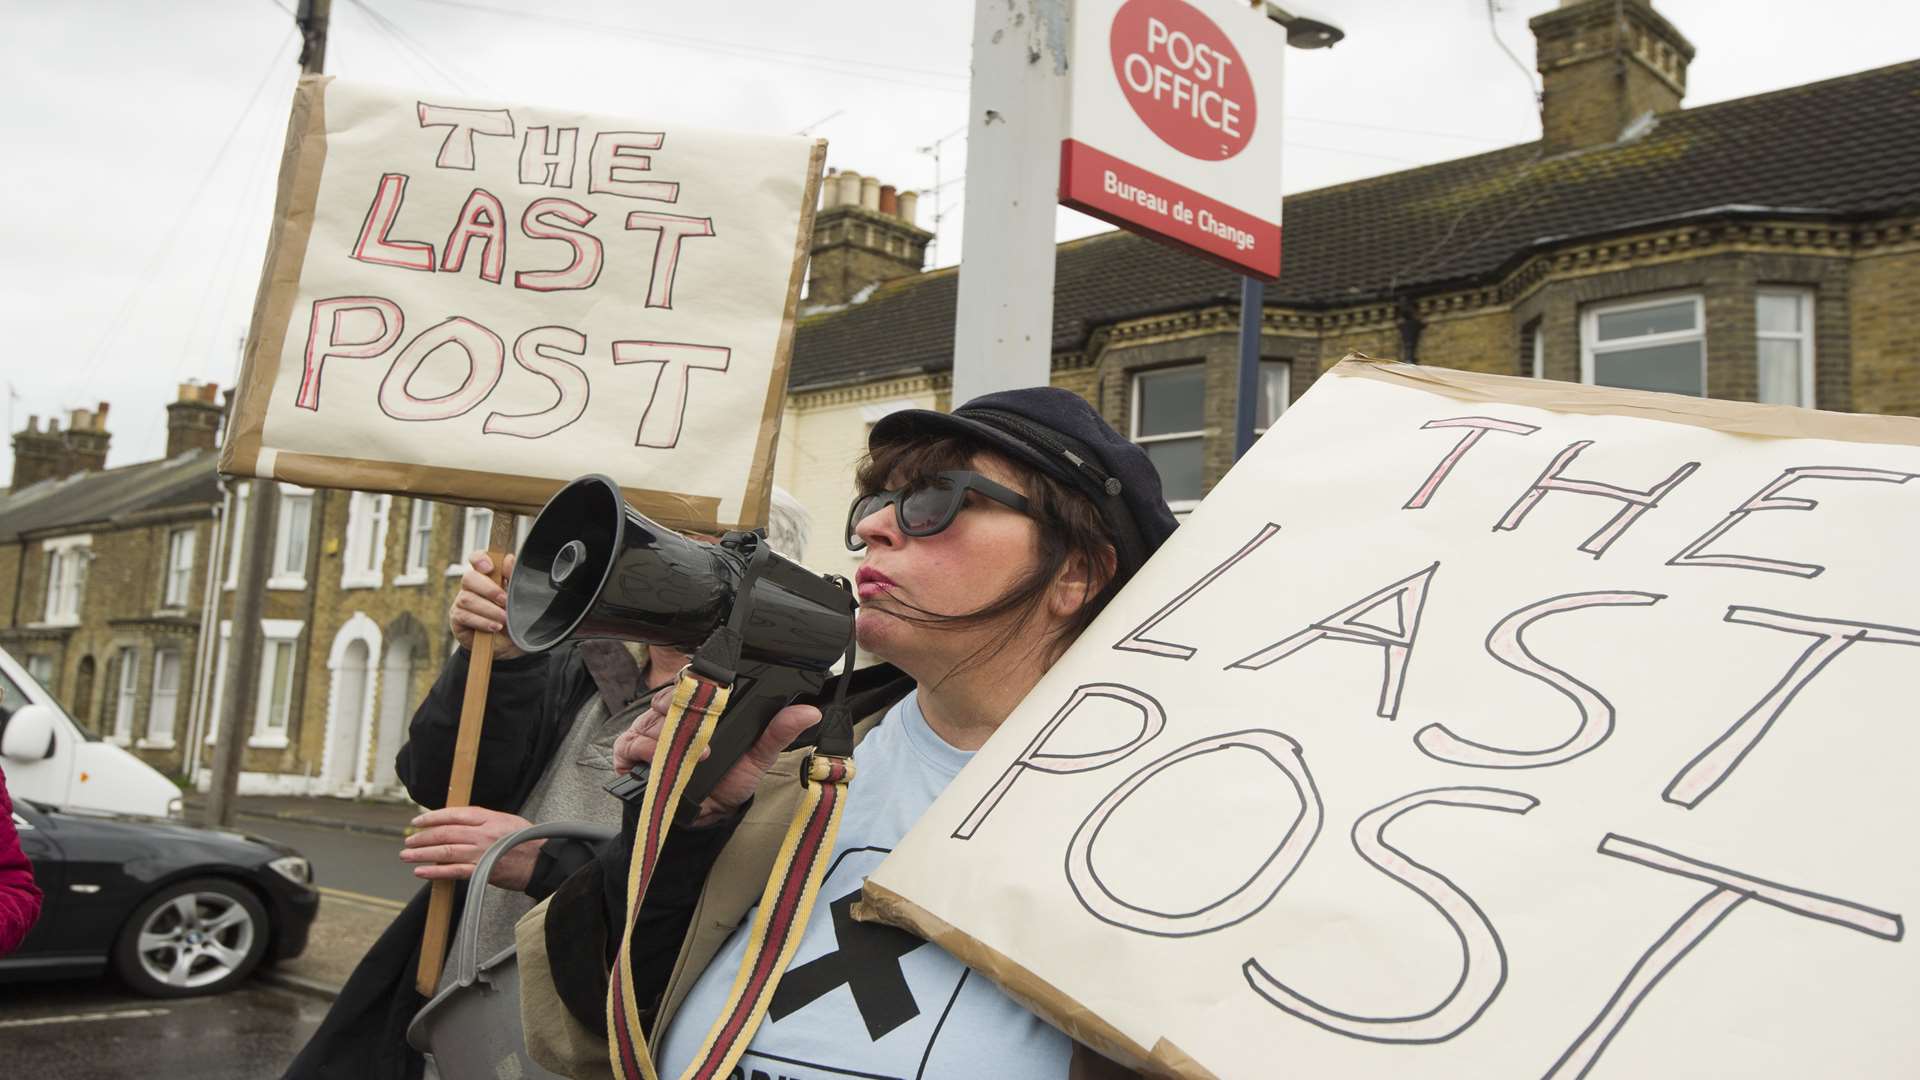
(466, 747)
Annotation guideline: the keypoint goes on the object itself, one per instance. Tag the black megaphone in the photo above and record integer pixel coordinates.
(594, 567)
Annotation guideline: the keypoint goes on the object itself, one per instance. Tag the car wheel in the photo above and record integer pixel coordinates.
(193, 937)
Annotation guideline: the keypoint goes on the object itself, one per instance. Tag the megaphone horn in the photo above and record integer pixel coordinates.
(594, 567)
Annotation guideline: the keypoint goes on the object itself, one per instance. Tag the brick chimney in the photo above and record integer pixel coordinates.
(864, 234)
(193, 420)
(38, 455)
(1603, 65)
(51, 454)
(87, 440)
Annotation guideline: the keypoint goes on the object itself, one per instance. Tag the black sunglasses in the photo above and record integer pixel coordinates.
(925, 507)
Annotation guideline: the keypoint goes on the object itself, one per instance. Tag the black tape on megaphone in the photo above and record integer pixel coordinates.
(594, 567)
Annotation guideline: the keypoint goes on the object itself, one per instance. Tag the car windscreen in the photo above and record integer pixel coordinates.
(12, 697)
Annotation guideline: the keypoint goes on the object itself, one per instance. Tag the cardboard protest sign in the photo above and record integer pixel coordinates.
(1475, 727)
(478, 302)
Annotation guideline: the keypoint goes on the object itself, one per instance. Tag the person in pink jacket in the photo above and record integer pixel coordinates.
(19, 896)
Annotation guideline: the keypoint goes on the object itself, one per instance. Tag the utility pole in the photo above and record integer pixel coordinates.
(313, 34)
(241, 689)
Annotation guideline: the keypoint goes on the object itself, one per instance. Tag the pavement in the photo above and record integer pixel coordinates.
(378, 816)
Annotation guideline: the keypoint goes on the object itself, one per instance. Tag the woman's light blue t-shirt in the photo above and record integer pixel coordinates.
(869, 1001)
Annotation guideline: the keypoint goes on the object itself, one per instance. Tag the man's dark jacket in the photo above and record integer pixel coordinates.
(531, 702)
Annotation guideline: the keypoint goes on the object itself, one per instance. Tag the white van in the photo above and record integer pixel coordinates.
(47, 758)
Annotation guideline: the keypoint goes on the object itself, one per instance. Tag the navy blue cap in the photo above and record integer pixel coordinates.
(1057, 432)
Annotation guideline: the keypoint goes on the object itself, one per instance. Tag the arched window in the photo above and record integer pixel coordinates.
(83, 693)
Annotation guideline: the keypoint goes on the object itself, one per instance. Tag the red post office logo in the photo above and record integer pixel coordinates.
(1184, 79)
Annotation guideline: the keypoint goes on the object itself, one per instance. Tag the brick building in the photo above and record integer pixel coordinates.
(116, 592)
(354, 627)
(1766, 248)
(103, 573)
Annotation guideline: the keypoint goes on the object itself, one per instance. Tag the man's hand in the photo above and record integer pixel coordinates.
(638, 742)
(448, 843)
(482, 605)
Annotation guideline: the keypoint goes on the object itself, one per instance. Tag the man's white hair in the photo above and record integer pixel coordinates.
(788, 524)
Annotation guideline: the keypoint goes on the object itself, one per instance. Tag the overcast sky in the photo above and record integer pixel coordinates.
(141, 139)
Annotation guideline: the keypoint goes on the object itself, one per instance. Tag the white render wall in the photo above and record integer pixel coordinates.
(822, 436)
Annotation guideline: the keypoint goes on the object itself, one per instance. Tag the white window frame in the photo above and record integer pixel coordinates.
(1539, 351)
(40, 669)
(235, 530)
(275, 632)
(126, 692)
(1285, 368)
(1804, 297)
(468, 530)
(1178, 506)
(419, 544)
(364, 556)
(162, 711)
(1590, 345)
(177, 584)
(294, 577)
(66, 556)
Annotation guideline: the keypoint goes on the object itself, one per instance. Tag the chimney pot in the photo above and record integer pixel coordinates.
(910, 207)
(870, 193)
(850, 184)
(889, 200)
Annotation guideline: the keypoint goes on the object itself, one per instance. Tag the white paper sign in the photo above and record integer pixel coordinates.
(1469, 738)
(481, 301)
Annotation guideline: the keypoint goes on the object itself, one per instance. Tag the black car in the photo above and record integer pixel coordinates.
(172, 908)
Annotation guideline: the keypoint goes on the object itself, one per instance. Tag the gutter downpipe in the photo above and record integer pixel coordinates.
(209, 604)
(1408, 321)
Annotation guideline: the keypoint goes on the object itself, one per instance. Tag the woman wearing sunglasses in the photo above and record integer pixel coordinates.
(992, 537)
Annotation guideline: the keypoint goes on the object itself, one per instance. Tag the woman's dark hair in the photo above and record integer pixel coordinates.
(1070, 527)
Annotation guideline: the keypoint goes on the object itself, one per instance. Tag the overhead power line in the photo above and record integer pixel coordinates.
(835, 65)
(148, 274)
(1493, 27)
(1399, 130)
(1295, 144)
(406, 41)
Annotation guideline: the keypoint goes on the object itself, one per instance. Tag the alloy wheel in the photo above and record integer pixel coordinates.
(195, 939)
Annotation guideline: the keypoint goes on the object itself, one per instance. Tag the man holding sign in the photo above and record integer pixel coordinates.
(551, 724)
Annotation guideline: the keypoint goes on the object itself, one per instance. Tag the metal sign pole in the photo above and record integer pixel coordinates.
(1003, 325)
(1253, 294)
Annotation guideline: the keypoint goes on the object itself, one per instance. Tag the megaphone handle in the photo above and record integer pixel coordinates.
(466, 750)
